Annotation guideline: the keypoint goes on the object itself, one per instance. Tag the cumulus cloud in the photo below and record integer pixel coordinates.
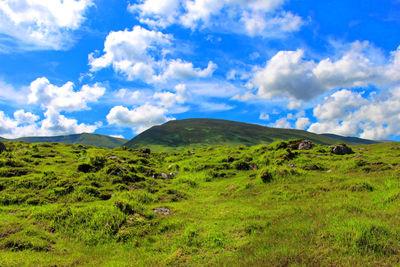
(282, 123)
(168, 99)
(302, 123)
(179, 69)
(27, 124)
(351, 114)
(42, 24)
(140, 54)
(140, 118)
(63, 97)
(289, 74)
(23, 117)
(256, 17)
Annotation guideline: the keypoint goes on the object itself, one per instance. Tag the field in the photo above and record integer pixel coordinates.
(72, 205)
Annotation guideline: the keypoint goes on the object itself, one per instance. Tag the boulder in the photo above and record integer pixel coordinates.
(341, 149)
(301, 144)
(305, 145)
(2, 147)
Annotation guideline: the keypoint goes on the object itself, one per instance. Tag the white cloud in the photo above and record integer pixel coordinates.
(158, 13)
(23, 117)
(9, 94)
(338, 105)
(264, 116)
(133, 53)
(25, 124)
(302, 123)
(178, 69)
(139, 119)
(349, 113)
(282, 123)
(42, 24)
(289, 74)
(256, 17)
(140, 54)
(210, 106)
(64, 97)
(168, 99)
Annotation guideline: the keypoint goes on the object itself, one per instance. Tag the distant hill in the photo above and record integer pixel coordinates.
(353, 140)
(191, 133)
(82, 139)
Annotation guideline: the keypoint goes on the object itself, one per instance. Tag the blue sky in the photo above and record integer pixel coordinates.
(118, 67)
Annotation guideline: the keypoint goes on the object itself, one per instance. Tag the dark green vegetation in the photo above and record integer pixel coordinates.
(79, 139)
(194, 133)
(66, 205)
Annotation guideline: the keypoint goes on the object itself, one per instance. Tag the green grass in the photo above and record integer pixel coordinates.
(314, 208)
(199, 133)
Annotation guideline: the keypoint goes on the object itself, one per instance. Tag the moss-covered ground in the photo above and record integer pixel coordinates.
(71, 205)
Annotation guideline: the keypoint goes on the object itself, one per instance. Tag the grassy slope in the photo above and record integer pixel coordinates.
(83, 139)
(319, 208)
(192, 133)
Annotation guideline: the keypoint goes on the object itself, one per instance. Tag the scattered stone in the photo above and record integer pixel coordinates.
(342, 149)
(292, 165)
(113, 157)
(2, 147)
(163, 211)
(164, 175)
(172, 175)
(329, 171)
(357, 157)
(83, 158)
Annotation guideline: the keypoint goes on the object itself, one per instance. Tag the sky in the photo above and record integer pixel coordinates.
(119, 67)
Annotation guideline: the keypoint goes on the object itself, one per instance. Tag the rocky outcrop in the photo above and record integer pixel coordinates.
(341, 149)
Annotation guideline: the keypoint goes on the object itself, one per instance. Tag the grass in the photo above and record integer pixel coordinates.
(229, 206)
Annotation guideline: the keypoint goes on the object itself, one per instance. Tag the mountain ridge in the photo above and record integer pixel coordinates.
(77, 139)
(192, 133)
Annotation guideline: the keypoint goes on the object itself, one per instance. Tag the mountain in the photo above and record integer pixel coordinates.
(191, 133)
(82, 139)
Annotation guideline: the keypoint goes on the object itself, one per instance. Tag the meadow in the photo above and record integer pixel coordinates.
(264, 205)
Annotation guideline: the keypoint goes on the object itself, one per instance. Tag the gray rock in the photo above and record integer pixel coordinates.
(163, 211)
(305, 145)
(164, 175)
(342, 149)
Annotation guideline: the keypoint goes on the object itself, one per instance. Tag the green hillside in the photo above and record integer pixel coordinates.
(74, 205)
(81, 139)
(192, 133)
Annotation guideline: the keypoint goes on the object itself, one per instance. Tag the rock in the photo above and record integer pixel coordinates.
(18, 151)
(2, 147)
(342, 149)
(163, 211)
(357, 157)
(301, 144)
(292, 165)
(164, 175)
(172, 175)
(305, 145)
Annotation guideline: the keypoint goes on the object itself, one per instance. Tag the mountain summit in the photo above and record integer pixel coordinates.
(191, 133)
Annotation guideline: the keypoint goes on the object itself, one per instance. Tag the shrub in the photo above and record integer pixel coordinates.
(266, 176)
